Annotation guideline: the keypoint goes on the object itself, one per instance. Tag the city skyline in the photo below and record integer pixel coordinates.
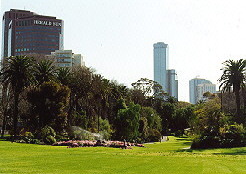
(116, 37)
(166, 77)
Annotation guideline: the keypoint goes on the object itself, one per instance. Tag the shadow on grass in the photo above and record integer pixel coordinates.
(183, 139)
(231, 151)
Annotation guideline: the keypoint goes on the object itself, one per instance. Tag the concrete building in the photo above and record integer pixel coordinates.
(66, 58)
(202, 88)
(165, 77)
(25, 32)
(197, 87)
(172, 83)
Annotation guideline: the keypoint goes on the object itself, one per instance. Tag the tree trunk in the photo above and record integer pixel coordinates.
(238, 104)
(4, 103)
(244, 99)
(15, 114)
(4, 124)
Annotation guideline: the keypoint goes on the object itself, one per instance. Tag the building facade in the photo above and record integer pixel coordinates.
(161, 64)
(172, 83)
(25, 32)
(197, 87)
(66, 58)
(165, 77)
(202, 88)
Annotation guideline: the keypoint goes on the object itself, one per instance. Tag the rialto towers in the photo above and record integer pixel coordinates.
(167, 78)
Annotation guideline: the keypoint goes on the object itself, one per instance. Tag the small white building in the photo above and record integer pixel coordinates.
(203, 88)
(66, 58)
(198, 87)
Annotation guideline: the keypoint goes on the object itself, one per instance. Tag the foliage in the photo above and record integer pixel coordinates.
(214, 129)
(16, 74)
(48, 135)
(234, 77)
(154, 135)
(49, 101)
(149, 88)
(80, 119)
(105, 128)
(44, 71)
(64, 75)
(128, 122)
(150, 125)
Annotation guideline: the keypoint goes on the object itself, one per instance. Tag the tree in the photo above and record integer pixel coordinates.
(64, 75)
(17, 73)
(128, 120)
(209, 117)
(44, 71)
(49, 101)
(80, 84)
(234, 76)
(149, 88)
(150, 124)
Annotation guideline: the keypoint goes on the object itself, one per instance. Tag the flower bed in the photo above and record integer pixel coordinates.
(93, 143)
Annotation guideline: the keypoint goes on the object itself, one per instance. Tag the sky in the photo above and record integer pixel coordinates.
(116, 37)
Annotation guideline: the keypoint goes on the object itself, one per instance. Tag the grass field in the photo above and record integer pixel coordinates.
(167, 157)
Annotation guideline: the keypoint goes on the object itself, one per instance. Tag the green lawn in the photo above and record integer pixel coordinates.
(166, 157)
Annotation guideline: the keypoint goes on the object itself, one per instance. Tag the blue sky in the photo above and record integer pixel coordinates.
(116, 37)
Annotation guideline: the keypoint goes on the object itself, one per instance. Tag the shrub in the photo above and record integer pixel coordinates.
(47, 130)
(28, 134)
(179, 133)
(105, 129)
(154, 135)
(206, 142)
(234, 136)
(48, 135)
(49, 140)
(229, 136)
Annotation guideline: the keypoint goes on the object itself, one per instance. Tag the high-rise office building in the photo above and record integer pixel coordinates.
(26, 32)
(161, 64)
(198, 87)
(66, 58)
(165, 77)
(172, 83)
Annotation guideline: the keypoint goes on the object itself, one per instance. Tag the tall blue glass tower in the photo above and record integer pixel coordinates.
(161, 64)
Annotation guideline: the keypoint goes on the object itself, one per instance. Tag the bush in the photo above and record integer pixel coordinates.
(48, 135)
(50, 140)
(179, 133)
(154, 135)
(229, 136)
(206, 142)
(105, 129)
(234, 136)
(28, 134)
(34, 141)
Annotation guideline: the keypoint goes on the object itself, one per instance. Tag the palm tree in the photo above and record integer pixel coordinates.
(234, 76)
(17, 74)
(44, 71)
(64, 75)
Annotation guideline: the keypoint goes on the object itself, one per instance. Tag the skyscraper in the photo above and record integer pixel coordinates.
(161, 64)
(198, 87)
(26, 32)
(172, 83)
(165, 77)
